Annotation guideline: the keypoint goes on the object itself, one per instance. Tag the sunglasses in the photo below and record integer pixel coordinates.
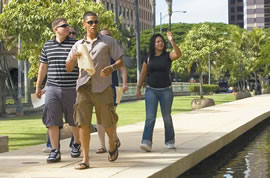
(63, 25)
(91, 22)
(72, 33)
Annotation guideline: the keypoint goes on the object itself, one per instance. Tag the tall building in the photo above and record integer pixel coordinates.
(256, 14)
(126, 10)
(236, 12)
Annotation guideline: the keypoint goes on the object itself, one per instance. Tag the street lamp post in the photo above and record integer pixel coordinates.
(137, 39)
(153, 4)
(166, 16)
(169, 2)
(209, 70)
(19, 106)
(116, 18)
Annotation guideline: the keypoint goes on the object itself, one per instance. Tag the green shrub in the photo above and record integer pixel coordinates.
(266, 86)
(207, 89)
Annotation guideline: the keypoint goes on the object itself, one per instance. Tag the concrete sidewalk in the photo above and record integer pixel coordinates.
(199, 134)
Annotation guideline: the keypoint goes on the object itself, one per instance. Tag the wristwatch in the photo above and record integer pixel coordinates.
(112, 66)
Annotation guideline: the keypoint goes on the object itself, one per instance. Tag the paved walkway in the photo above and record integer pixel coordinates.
(199, 134)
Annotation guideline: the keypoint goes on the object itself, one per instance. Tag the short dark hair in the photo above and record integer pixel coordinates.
(57, 21)
(89, 13)
(151, 52)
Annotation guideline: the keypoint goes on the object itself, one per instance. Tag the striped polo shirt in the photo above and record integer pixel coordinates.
(54, 54)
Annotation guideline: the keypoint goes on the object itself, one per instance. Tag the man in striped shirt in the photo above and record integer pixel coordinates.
(60, 88)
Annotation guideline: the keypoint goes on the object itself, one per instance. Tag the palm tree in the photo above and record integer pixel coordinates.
(240, 38)
(257, 39)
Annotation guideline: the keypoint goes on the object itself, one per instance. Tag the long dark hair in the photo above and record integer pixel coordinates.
(151, 51)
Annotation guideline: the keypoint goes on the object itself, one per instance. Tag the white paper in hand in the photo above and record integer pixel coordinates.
(36, 101)
(119, 94)
(85, 62)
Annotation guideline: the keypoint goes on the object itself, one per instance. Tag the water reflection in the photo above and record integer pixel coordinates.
(246, 157)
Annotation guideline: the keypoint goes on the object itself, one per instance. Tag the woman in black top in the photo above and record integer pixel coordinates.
(157, 69)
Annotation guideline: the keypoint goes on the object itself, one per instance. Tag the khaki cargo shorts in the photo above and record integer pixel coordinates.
(103, 103)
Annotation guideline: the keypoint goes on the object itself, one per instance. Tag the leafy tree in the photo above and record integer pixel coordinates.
(239, 49)
(265, 56)
(179, 31)
(32, 21)
(201, 43)
(256, 62)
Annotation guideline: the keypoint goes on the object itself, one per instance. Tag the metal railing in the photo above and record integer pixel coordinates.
(179, 88)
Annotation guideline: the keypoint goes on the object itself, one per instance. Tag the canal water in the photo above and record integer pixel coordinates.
(246, 157)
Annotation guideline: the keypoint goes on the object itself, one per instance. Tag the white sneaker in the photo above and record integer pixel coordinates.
(47, 150)
(145, 147)
(171, 146)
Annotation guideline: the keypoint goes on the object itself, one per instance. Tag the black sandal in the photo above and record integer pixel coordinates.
(113, 155)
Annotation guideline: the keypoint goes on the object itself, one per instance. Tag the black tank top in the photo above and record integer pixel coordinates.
(158, 71)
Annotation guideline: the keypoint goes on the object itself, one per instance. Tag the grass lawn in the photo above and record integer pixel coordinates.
(29, 130)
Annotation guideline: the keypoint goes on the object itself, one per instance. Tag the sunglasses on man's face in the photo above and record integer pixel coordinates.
(63, 26)
(91, 22)
(72, 33)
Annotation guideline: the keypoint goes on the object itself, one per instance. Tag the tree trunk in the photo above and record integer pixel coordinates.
(2, 94)
(256, 85)
(201, 85)
(4, 66)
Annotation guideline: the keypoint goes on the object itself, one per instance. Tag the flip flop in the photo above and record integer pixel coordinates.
(101, 150)
(113, 155)
(82, 166)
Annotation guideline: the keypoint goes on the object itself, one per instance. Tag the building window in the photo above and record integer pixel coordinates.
(239, 0)
(232, 1)
(267, 19)
(232, 18)
(267, 11)
(240, 8)
(131, 14)
(112, 6)
(232, 9)
(240, 17)
(107, 6)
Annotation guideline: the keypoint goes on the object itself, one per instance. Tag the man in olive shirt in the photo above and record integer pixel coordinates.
(95, 91)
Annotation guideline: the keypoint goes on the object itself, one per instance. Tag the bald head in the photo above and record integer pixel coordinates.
(105, 32)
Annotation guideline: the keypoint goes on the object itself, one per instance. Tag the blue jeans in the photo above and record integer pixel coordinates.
(165, 98)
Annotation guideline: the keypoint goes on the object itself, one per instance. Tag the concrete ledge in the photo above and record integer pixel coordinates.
(3, 144)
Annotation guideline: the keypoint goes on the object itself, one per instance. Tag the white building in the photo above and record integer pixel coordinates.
(256, 14)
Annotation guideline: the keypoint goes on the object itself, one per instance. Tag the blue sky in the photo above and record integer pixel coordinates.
(197, 11)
